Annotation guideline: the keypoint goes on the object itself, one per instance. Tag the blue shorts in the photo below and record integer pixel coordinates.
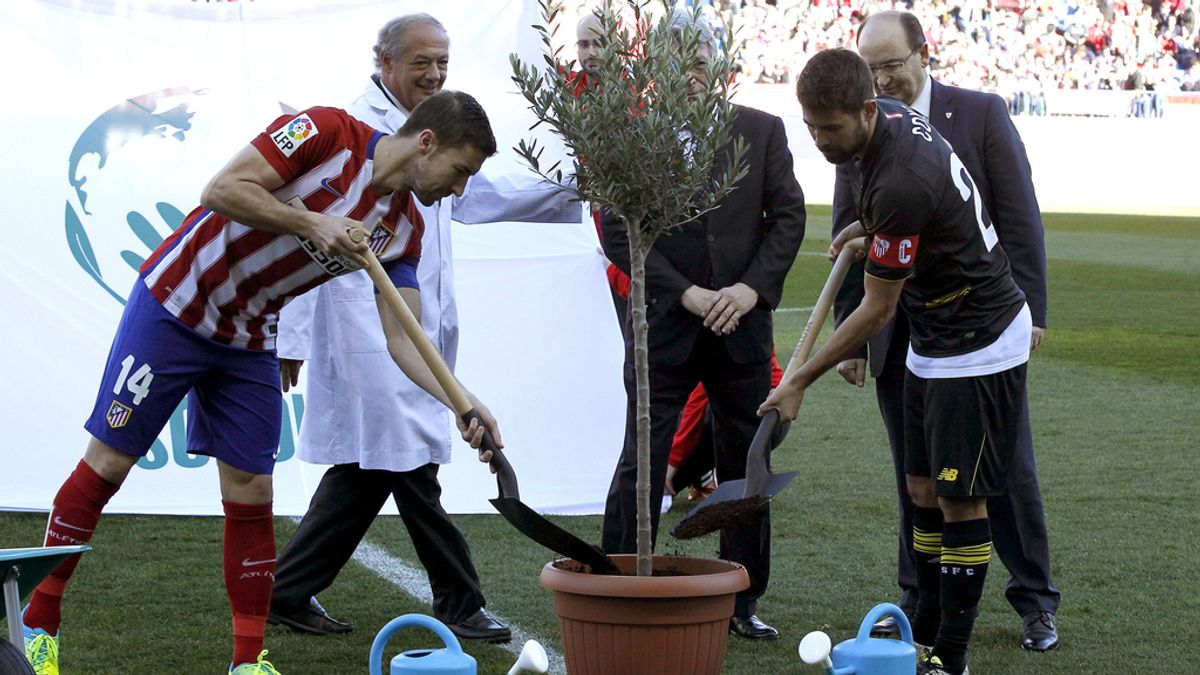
(234, 404)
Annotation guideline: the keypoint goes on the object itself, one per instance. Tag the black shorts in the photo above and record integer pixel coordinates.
(962, 432)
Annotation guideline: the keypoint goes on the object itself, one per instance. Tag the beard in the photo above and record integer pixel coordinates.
(839, 154)
(416, 178)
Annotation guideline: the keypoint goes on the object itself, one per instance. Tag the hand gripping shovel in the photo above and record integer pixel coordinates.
(508, 503)
(739, 502)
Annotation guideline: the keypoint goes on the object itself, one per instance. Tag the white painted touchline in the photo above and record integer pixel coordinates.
(414, 582)
(788, 310)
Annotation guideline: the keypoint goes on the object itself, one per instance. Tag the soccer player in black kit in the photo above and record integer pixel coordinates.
(933, 251)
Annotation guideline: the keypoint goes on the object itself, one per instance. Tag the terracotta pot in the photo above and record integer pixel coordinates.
(675, 624)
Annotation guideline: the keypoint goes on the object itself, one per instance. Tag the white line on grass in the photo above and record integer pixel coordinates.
(788, 310)
(414, 582)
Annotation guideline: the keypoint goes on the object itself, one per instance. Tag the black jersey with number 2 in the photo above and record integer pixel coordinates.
(928, 225)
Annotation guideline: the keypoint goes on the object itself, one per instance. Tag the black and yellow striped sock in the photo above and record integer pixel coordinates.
(927, 544)
(966, 549)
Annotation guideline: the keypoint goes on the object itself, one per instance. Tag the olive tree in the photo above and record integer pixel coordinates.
(649, 142)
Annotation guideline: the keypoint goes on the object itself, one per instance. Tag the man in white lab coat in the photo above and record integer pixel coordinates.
(383, 434)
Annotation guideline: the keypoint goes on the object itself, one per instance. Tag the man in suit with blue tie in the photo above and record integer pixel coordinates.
(978, 127)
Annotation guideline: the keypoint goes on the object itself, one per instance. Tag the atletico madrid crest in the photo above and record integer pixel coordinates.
(381, 237)
(118, 415)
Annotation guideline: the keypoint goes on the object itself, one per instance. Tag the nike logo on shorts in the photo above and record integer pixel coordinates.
(251, 563)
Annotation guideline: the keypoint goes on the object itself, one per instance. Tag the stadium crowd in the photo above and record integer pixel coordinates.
(1005, 46)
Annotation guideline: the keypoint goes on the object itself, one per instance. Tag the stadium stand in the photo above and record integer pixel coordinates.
(1024, 50)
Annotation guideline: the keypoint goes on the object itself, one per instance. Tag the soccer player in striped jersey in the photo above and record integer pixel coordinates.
(934, 251)
(200, 321)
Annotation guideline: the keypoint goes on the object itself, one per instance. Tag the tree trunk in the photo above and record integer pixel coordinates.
(637, 270)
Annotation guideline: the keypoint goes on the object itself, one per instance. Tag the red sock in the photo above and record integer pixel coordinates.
(72, 521)
(249, 574)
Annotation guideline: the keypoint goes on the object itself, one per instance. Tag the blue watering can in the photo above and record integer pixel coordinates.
(448, 661)
(865, 655)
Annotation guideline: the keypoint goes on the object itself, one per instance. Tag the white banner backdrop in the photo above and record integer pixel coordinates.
(119, 112)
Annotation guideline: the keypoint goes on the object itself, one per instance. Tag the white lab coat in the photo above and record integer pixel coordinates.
(359, 406)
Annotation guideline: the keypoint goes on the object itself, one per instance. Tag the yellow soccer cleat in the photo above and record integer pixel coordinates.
(928, 664)
(41, 650)
(261, 667)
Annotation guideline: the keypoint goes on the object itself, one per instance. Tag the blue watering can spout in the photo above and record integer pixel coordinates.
(448, 661)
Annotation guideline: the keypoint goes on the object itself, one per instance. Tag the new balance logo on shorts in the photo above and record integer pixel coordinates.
(118, 415)
(950, 475)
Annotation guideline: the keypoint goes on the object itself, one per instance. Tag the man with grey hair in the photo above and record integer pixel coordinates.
(711, 287)
(384, 436)
(683, 20)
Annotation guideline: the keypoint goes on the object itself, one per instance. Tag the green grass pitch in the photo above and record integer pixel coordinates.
(1115, 399)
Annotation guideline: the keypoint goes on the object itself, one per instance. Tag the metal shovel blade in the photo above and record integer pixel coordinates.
(738, 503)
(508, 502)
(730, 507)
(535, 526)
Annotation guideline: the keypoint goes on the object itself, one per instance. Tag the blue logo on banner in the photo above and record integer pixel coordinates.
(166, 114)
(134, 119)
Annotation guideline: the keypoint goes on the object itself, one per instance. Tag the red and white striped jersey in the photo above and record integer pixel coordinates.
(228, 281)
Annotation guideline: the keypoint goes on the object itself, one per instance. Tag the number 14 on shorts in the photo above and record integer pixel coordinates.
(138, 383)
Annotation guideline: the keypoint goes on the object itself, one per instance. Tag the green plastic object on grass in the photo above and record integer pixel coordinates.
(22, 569)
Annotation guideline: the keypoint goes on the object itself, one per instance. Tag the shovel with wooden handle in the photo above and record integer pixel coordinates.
(740, 502)
(508, 503)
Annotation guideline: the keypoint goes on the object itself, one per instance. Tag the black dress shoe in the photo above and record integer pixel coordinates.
(1041, 634)
(311, 618)
(481, 626)
(888, 627)
(752, 628)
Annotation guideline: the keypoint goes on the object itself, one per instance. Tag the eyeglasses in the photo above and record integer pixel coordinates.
(892, 67)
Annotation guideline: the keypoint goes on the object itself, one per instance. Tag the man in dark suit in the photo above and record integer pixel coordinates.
(710, 289)
(978, 127)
